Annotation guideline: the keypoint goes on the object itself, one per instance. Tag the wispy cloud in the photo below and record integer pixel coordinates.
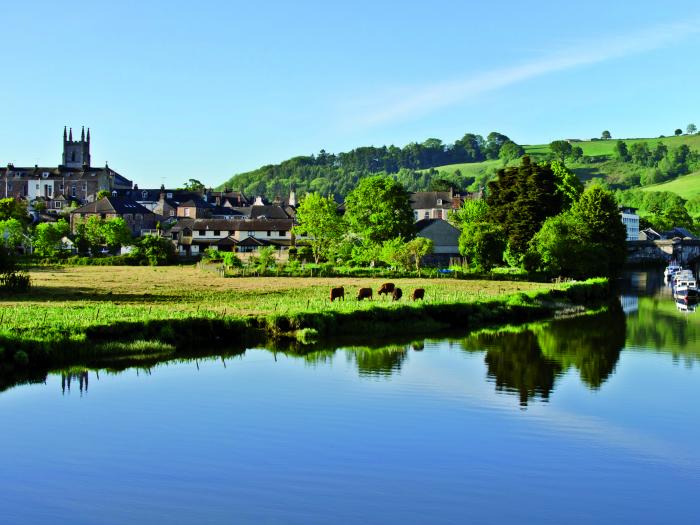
(421, 101)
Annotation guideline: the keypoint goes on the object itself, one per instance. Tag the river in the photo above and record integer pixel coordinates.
(590, 419)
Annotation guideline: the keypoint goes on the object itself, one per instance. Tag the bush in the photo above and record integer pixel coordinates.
(15, 282)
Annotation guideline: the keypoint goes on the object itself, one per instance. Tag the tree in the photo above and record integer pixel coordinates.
(598, 213)
(606, 135)
(116, 233)
(47, 237)
(472, 211)
(510, 151)
(318, 219)
(678, 132)
(417, 249)
(194, 185)
(12, 208)
(621, 151)
(378, 210)
(102, 194)
(482, 243)
(11, 233)
(520, 199)
(691, 129)
(561, 149)
(568, 184)
(153, 250)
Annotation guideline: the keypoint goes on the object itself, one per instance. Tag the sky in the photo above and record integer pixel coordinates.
(178, 90)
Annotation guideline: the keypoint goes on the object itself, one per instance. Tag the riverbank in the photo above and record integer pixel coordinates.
(80, 315)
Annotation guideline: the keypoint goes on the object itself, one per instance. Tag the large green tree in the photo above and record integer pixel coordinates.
(378, 210)
(319, 221)
(12, 208)
(520, 200)
(561, 149)
(47, 237)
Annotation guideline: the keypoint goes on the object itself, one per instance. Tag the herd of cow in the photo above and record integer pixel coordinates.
(385, 289)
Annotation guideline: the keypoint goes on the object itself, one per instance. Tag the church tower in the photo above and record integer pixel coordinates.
(76, 153)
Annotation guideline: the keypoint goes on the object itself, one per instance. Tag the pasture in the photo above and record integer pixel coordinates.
(687, 186)
(69, 300)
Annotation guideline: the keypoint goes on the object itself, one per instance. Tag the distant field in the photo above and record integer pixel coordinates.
(471, 169)
(687, 186)
(607, 147)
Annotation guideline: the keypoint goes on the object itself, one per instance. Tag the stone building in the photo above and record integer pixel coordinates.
(75, 179)
(136, 216)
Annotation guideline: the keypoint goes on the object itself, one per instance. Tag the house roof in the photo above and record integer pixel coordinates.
(113, 205)
(61, 172)
(425, 223)
(422, 200)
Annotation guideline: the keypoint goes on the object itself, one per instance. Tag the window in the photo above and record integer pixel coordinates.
(415, 215)
(103, 216)
(426, 215)
(57, 204)
(202, 233)
(269, 233)
(251, 234)
(72, 190)
(169, 195)
(9, 186)
(216, 233)
(114, 193)
(60, 187)
(172, 213)
(282, 233)
(144, 194)
(37, 186)
(187, 212)
(84, 186)
(45, 174)
(439, 202)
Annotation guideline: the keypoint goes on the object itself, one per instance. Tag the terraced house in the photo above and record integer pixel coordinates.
(74, 180)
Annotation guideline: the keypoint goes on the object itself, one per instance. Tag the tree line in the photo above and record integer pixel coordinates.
(337, 174)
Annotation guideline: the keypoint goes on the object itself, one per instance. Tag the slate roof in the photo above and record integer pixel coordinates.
(60, 172)
(423, 200)
(424, 223)
(113, 205)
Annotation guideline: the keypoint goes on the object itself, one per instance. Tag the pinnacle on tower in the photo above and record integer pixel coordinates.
(70, 135)
(82, 135)
(65, 134)
(88, 135)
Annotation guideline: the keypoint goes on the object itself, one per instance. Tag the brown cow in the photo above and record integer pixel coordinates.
(386, 288)
(418, 293)
(364, 293)
(337, 293)
(396, 294)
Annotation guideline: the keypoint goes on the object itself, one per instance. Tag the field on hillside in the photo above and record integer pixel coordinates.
(687, 186)
(79, 297)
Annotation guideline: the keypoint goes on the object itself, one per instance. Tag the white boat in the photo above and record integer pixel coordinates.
(683, 306)
(671, 269)
(682, 276)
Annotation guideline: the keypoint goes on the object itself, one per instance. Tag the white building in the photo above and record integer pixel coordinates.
(631, 221)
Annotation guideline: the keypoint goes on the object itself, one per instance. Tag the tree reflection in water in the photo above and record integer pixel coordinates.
(527, 361)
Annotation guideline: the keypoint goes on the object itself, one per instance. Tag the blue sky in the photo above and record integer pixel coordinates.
(178, 90)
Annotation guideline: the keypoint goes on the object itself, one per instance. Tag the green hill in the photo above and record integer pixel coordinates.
(687, 186)
(471, 162)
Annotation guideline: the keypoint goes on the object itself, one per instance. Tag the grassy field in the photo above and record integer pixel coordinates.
(687, 186)
(83, 296)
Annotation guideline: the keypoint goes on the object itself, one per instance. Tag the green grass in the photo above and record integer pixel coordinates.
(74, 312)
(687, 186)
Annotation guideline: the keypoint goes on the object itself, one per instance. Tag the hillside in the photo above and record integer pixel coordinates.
(472, 161)
(686, 186)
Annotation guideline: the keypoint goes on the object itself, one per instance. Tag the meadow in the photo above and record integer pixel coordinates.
(74, 314)
(687, 186)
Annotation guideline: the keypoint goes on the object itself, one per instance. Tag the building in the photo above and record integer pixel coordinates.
(193, 236)
(137, 217)
(438, 204)
(631, 221)
(73, 180)
(445, 239)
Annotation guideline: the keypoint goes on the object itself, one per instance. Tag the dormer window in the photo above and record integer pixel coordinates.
(45, 174)
(144, 194)
(169, 195)
(439, 202)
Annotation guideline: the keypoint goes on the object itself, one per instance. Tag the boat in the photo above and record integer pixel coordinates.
(683, 306)
(682, 276)
(685, 287)
(671, 270)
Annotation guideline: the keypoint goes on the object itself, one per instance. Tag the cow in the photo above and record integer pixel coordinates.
(418, 293)
(386, 288)
(396, 294)
(337, 293)
(364, 293)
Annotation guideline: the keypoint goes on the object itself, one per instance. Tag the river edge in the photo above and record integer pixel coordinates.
(119, 343)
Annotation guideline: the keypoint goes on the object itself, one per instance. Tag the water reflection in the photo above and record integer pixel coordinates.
(526, 361)
(82, 377)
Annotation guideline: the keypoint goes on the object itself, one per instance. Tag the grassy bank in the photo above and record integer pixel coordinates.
(77, 315)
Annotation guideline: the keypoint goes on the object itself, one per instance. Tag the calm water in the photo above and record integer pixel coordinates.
(594, 419)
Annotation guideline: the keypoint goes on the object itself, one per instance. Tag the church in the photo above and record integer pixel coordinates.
(74, 180)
